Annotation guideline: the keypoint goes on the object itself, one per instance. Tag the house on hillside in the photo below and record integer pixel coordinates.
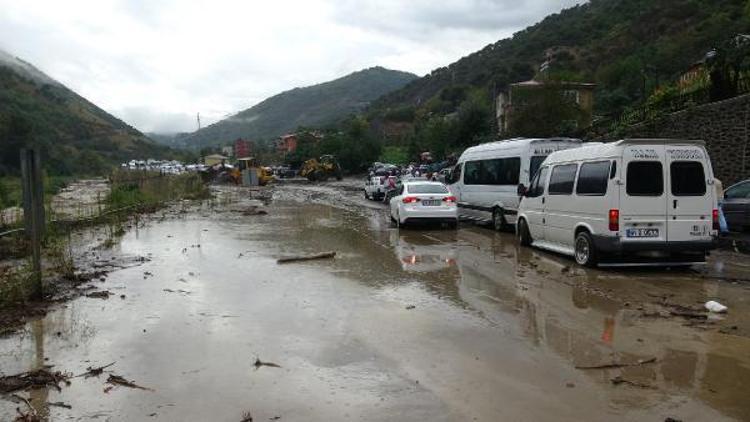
(227, 151)
(523, 93)
(243, 148)
(287, 143)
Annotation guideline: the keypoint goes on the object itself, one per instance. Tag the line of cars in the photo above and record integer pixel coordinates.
(633, 201)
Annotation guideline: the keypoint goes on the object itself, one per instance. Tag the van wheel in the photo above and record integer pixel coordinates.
(585, 251)
(366, 195)
(498, 220)
(524, 237)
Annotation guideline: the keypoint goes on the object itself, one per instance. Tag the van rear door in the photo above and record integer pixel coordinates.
(643, 214)
(690, 197)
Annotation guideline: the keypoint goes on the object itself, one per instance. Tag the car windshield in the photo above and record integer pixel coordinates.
(427, 188)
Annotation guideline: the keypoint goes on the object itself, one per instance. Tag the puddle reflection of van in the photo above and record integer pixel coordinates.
(487, 178)
(636, 198)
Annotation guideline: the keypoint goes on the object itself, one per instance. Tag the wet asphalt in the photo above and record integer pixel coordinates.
(420, 324)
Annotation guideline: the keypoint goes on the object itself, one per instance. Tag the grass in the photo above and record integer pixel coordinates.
(11, 194)
(148, 189)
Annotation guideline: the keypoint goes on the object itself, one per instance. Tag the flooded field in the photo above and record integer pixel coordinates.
(420, 324)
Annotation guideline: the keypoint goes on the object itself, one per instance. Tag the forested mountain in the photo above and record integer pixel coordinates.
(316, 105)
(628, 47)
(75, 136)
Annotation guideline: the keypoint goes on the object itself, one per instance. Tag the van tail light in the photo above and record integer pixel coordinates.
(449, 199)
(715, 219)
(614, 220)
(410, 200)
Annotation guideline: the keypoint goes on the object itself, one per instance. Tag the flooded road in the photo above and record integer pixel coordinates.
(403, 325)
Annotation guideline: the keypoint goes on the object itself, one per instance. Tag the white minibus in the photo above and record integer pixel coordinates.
(487, 178)
(645, 198)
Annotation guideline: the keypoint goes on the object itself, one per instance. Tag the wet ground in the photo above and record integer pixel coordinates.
(403, 325)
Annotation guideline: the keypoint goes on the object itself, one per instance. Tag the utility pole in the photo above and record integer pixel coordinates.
(199, 121)
(33, 212)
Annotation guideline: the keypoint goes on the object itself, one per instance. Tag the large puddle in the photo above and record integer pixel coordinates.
(402, 325)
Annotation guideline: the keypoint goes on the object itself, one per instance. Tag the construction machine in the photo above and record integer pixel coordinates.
(247, 172)
(320, 170)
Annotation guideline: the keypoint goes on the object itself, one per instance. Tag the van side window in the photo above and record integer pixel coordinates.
(472, 173)
(687, 178)
(562, 180)
(613, 170)
(645, 178)
(536, 189)
(593, 179)
(500, 171)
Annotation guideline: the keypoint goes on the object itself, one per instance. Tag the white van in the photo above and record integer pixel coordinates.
(487, 178)
(651, 198)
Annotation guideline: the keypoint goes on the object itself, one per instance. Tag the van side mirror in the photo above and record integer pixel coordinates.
(522, 191)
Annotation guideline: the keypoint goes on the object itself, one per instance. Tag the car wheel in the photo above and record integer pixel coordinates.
(524, 236)
(585, 251)
(498, 220)
(367, 196)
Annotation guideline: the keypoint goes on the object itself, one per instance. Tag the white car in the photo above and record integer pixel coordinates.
(422, 201)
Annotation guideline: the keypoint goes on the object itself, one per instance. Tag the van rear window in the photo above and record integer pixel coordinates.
(645, 178)
(688, 178)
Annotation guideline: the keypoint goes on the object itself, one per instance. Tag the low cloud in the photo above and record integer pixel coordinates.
(157, 64)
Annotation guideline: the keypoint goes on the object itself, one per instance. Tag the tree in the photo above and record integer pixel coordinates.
(14, 135)
(544, 112)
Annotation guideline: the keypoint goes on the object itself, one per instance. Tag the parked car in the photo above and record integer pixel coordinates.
(736, 206)
(487, 177)
(632, 198)
(422, 201)
(375, 187)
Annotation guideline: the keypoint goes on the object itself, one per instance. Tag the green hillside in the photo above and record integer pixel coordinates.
(316, 105)
(74, 135)
(628, 47)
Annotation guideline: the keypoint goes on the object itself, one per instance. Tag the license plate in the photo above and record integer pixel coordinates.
(431, 202)
(642, 233)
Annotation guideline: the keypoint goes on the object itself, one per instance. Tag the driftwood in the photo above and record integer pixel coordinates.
(33, 379)
(118, 380)
(618, 365)
(258, 363)
(620, 380)
(94, 371)
(325, 255)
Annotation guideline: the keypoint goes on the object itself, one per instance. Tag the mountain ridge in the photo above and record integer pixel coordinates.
(316, 105)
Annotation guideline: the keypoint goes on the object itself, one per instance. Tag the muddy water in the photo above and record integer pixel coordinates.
(421, 324)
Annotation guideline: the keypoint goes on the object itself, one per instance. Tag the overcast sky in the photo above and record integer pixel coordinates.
(156, 63)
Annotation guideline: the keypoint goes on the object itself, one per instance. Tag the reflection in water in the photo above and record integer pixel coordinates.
(39, 396)
(587, 327)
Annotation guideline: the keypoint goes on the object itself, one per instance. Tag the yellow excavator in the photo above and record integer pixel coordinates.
(321, 170)
(246, 171)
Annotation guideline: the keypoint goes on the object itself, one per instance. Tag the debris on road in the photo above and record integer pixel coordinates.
(101, 294)
(94, 371)
(715, 307)
(246, 417)
(620, 380)
(118, 380)
(59, 404)
(409, 307)
(38, 378)
(30, 416)
(186, 292)
(254, 211)
(258, 363)
(325, 255)
(639, 362)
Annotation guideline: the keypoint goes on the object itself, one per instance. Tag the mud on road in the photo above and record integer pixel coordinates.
(411, 324)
